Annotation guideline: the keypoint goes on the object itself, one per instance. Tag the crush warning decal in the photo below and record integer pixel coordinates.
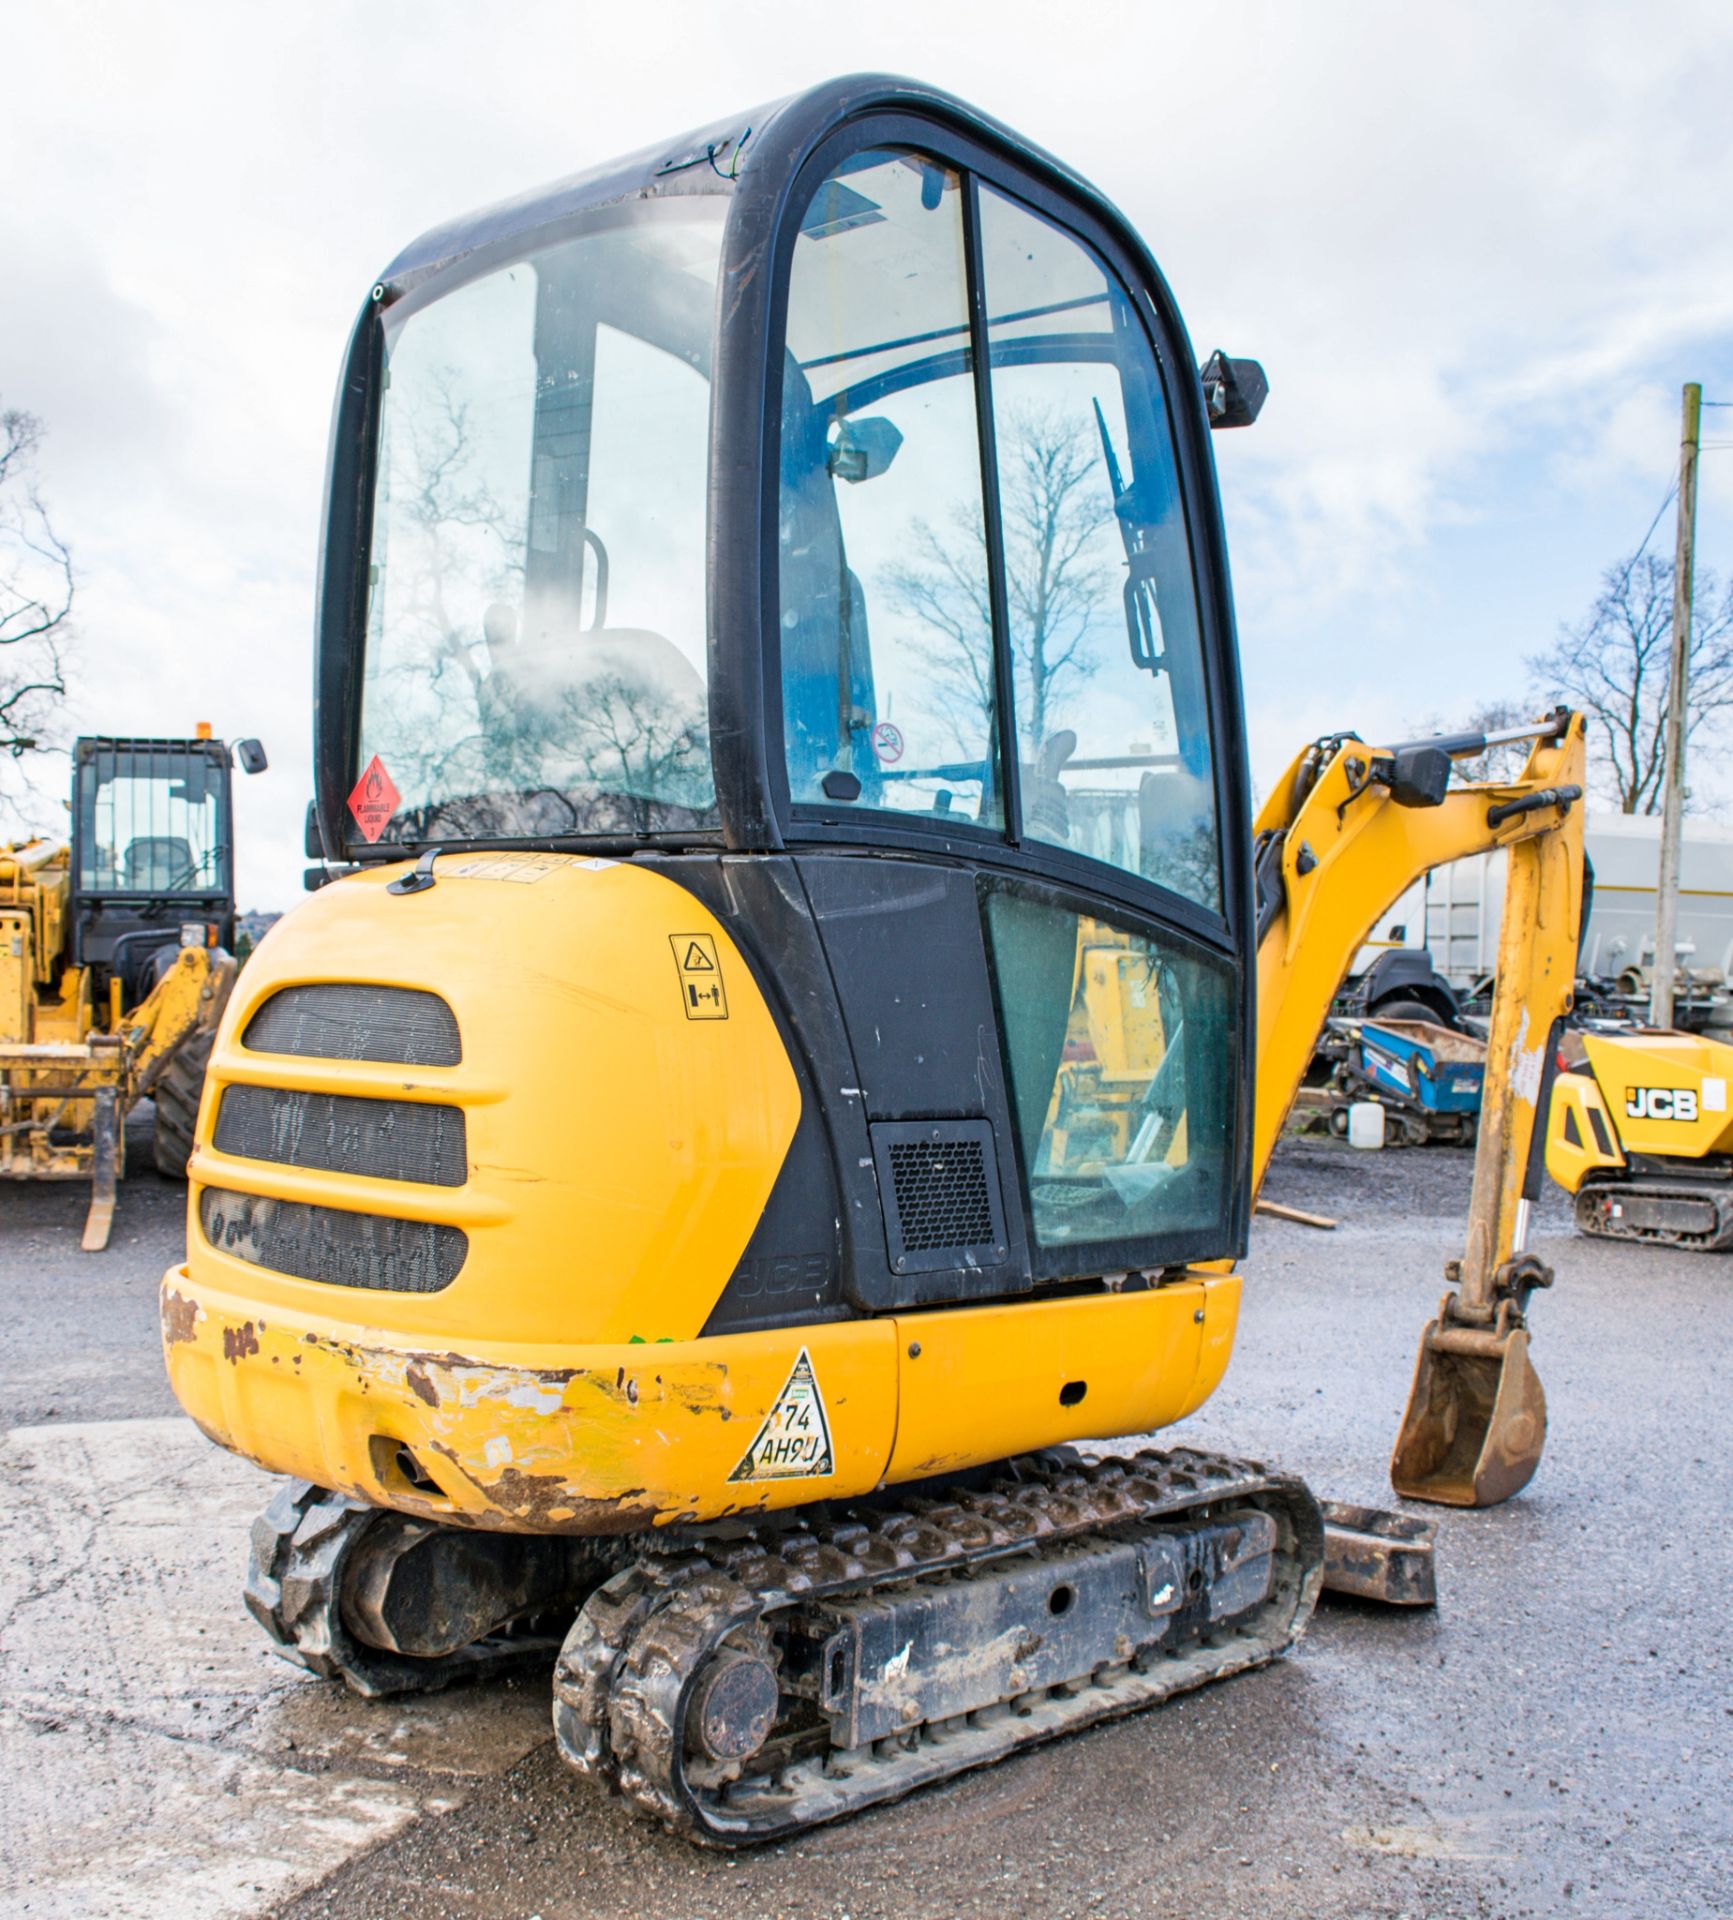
(374, 800)
(794, 1442)
(702, 993)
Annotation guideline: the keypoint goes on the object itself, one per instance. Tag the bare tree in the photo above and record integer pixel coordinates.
(36, 594)
(1613, 665)
(1055, 506)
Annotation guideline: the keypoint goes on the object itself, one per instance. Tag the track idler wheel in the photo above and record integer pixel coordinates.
(734, 1705)
(388, 1604)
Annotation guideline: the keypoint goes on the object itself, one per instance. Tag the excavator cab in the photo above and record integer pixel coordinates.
(152, 855)
(833, 489)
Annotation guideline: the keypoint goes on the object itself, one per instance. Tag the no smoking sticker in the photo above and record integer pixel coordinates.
(374, 800)
(794, 1442)
(701, 991)
(888, 743)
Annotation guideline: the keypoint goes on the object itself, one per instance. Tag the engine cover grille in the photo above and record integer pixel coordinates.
(356, 1021)
(939, 1184)
(341, 1133)
(326, 1243)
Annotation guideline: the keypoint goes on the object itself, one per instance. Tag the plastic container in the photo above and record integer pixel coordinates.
(1366, 1124)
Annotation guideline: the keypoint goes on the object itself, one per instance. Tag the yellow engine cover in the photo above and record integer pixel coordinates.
(627, 1103)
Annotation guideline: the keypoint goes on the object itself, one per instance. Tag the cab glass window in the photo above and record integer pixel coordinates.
(886, 633)
(1112, 722)
(150, 821)
(536, 646)
(1122, 1061)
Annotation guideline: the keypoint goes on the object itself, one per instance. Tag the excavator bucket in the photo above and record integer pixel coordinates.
(1476, 1419)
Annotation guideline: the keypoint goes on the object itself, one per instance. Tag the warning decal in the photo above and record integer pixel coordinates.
(794, 1442)
(523, 868)
(701, 990)
(374, 800)
(888, 743)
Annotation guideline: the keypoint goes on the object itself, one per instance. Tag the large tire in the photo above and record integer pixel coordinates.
(176, 1093)
(1405, 1009)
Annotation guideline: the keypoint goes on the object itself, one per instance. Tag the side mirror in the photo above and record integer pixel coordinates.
(1234, 391)
(251, 754)
(862, 449)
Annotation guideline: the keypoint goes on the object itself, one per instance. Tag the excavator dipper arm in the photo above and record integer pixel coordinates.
(1343, 836)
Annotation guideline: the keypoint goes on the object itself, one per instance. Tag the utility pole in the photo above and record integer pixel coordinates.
(1678, 685)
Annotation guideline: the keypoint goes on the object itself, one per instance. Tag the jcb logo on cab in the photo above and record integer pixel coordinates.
(1661, 1103)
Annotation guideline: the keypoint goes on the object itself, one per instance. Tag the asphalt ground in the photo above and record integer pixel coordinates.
(1555, 1738)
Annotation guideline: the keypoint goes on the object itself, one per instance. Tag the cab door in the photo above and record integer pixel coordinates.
(1009, 742)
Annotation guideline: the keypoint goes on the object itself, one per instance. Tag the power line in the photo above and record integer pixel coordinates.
(1647, 537)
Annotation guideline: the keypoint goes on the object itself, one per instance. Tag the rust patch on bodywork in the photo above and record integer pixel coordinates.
(547, 1504)
(416, 1378)
(239, 1341)
(180, 1318)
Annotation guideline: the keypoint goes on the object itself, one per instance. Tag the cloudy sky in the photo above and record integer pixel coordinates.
(1478, 250)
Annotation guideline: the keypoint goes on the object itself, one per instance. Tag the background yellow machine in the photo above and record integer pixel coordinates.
(799, 1014)
(116, 962)
(1641, 1133)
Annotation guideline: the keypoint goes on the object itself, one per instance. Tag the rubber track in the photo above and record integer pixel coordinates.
(300, 1544)
(1589, 1219)
(629, 1664)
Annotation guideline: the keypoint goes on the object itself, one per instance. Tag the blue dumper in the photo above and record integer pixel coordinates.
(1427, 1077)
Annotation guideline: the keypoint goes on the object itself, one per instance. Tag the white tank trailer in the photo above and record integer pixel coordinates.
(1454, 913)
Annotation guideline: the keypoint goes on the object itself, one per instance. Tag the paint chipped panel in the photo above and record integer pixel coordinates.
(180, 1317)
(612, 1447)
(1527, 1064)
(240, 1342)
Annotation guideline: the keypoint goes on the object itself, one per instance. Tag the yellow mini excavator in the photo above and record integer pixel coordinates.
(116, 962)
(793, 1013)
(1640, 1132)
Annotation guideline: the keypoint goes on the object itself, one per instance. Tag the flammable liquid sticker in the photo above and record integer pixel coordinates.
(374, 800)
(794, 1442)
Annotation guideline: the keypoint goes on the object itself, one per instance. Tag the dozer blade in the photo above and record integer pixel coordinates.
(1371, 1554)
(1476, 1419)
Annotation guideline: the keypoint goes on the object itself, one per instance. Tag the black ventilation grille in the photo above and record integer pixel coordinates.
(325, 1243)
(339, 1133)
(939, 1184)
(399, 1025)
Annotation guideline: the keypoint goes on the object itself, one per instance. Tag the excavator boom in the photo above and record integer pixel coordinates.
(1343, 835)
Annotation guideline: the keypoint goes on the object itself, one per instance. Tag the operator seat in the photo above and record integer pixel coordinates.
(157, 863)
(617, 712)
(557, 667)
